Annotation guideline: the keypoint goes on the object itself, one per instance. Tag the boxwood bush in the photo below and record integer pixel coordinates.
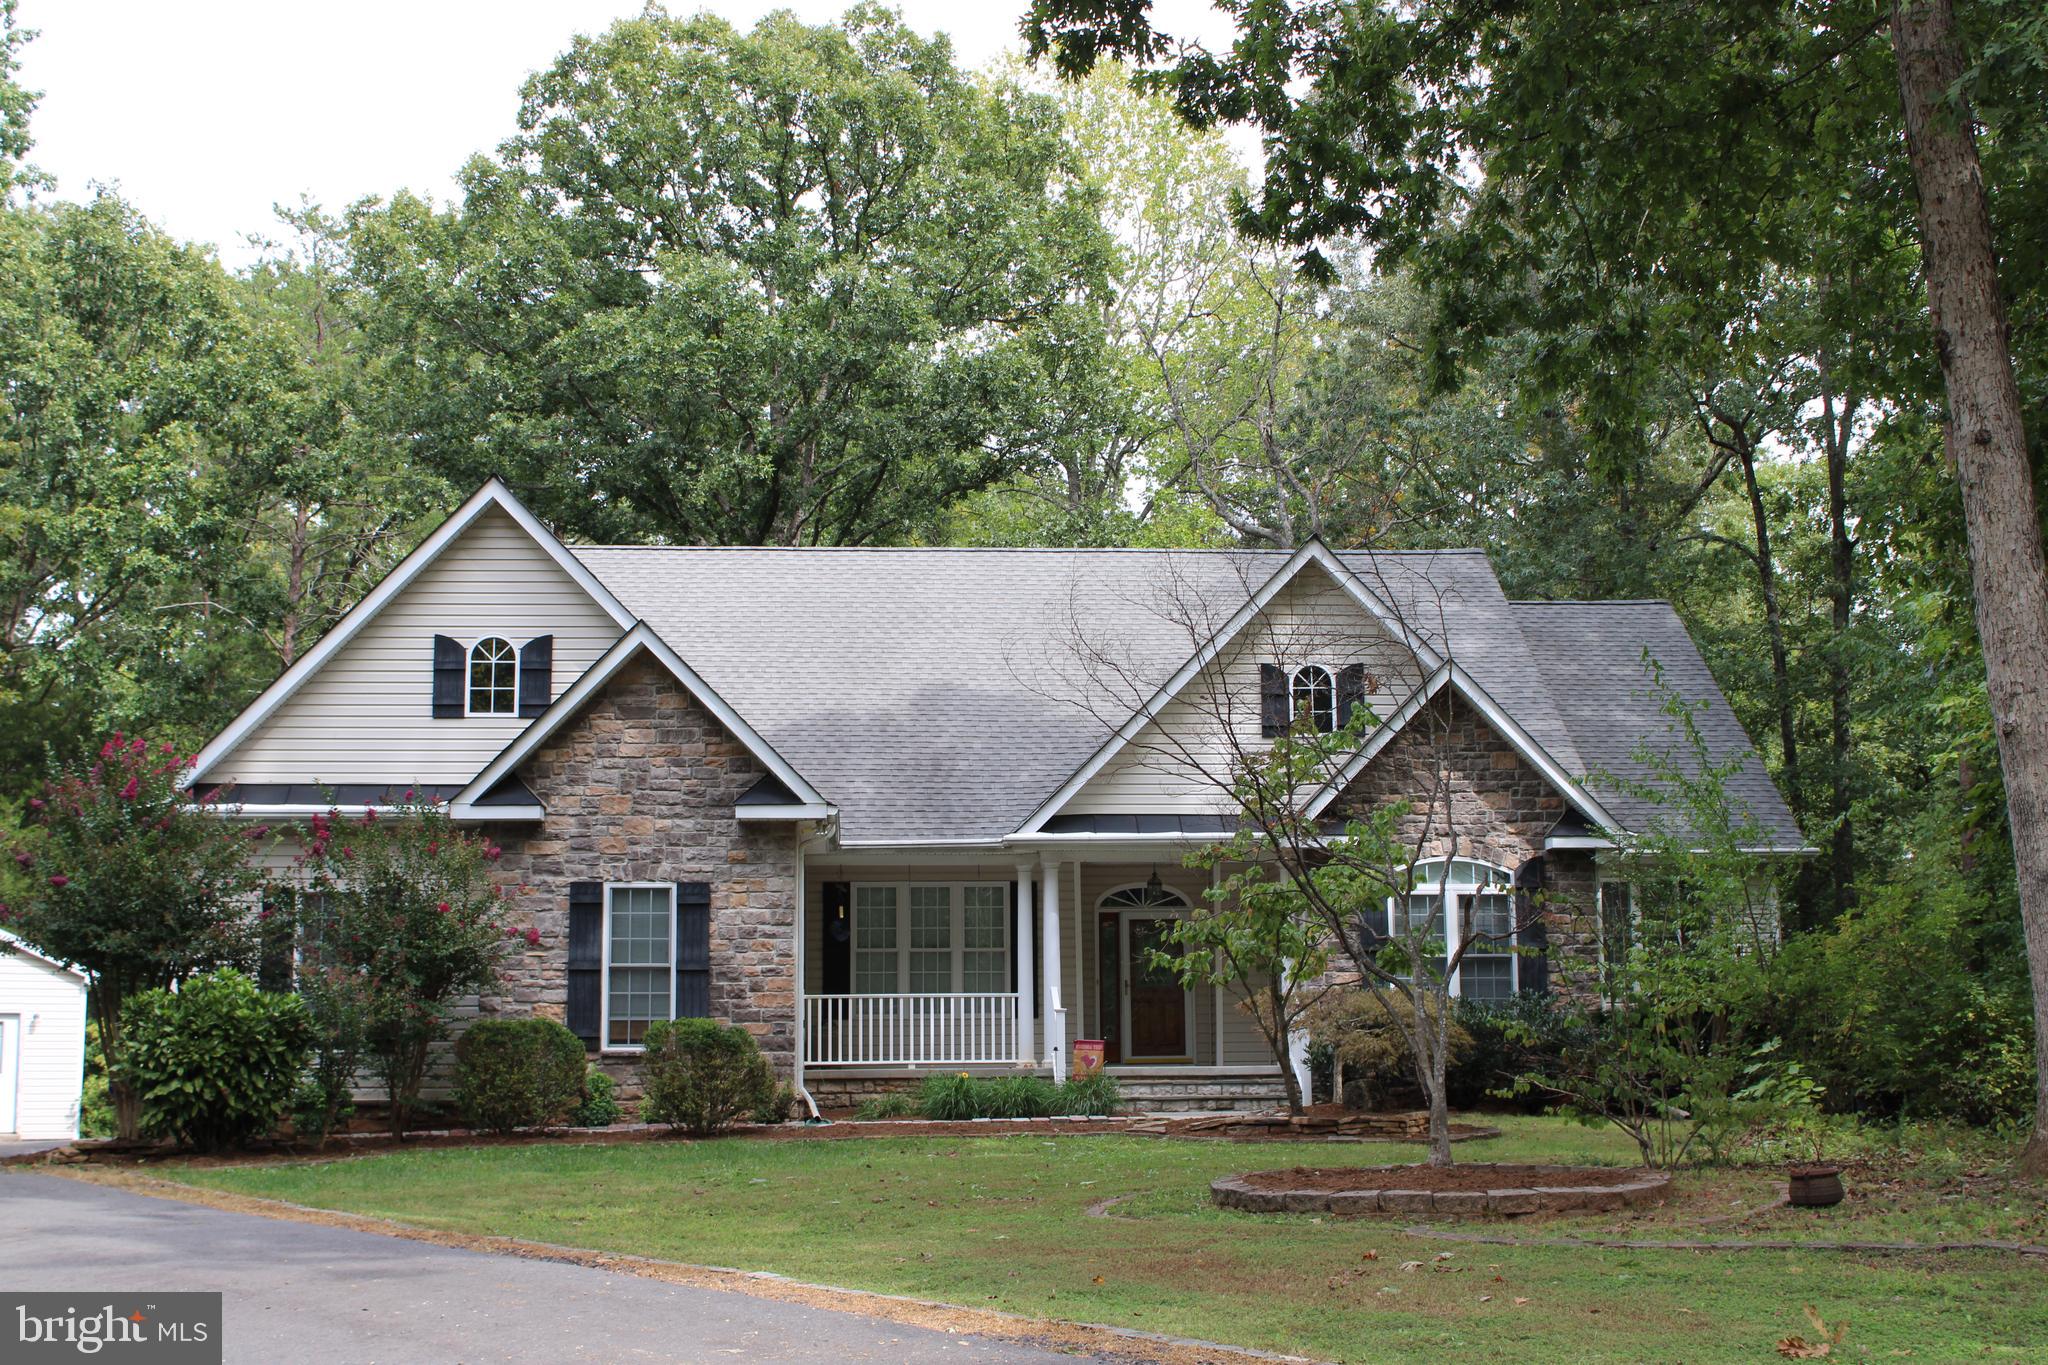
(518, 1073)
(701, 1077)
(214, 1062)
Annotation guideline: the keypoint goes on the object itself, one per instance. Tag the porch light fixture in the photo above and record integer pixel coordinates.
(1154, 888)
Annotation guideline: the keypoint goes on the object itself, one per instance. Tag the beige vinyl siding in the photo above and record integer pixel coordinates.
(1181, 760)
(367, 715)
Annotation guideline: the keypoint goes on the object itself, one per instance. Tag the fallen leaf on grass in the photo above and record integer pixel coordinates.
(1370, 1256)
(1411, 1265)
(1520, 1302)
(1445, 1255)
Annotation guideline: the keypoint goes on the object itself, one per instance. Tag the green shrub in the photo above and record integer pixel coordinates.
(95, 1104)
(518, 1073)
(892, 1106)
(1097, 1095)
(317, 1110)
(778, 1107)
(1511, 1038)
(951, 1097)
(600, 1107)
(701, 1076)
(215, 1062)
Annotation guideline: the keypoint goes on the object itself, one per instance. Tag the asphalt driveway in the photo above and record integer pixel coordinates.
(304, 1293)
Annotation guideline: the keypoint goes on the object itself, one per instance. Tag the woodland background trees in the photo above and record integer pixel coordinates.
(816, 285)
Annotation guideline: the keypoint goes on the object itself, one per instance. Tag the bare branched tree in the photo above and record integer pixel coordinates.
(1321, 722)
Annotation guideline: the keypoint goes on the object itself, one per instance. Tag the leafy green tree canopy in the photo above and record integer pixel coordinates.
(799, 285)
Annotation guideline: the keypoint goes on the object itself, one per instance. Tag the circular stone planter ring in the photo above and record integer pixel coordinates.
(1466, 1190)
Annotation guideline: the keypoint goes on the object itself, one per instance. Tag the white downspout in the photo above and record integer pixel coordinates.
(1055, 1008)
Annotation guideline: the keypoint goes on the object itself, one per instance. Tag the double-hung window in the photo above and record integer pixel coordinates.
(931, 938)
(639, 961)
(1459, 900)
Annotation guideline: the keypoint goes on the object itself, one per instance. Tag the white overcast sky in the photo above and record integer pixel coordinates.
(205, 113)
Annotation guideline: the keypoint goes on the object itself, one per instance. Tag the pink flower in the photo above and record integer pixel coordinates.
(139, 745)
(442, 907)
(25, 858)
(259, 831)
(35, 803)
(107, 749)
(166, 748)
(492, 852)
(265, 913)
(409, 793)
(132, 790)
(60, 881)
(533, 937)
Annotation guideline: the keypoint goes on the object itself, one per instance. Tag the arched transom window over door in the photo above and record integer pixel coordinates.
(1146, 897)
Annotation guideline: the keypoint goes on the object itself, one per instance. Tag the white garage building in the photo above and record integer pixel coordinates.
(42, 1043)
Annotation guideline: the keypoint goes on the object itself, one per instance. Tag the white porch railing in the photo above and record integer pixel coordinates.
(910, 1030)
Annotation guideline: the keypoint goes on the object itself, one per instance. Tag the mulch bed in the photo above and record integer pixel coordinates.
(1459, 1191)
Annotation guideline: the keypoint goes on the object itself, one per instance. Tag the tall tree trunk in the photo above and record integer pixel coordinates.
(1986, 442)
(1840, 418)
(1774, 622)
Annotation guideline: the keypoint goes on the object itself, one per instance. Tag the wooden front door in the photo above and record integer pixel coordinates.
(1158, 1009)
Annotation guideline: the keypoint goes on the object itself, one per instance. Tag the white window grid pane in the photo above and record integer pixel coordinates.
(985, 927)
(1491, 914)
(1424, 911)
(637, 986)
(1486, 976)
(931, 973)
(874, 973)
(985, 971)
(493, 677)
(931, 918)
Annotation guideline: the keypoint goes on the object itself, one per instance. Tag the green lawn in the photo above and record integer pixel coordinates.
(1002, 1223)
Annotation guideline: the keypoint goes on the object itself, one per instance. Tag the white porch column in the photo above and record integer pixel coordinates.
(1055, 1011)
(1026, 986)
(1297, 1046)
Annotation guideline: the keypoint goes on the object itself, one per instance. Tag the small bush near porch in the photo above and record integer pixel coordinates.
(1014, 1223)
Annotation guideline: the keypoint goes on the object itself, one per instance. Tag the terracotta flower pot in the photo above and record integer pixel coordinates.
(1815, 1187)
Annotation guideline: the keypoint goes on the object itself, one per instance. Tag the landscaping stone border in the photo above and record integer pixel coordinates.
(1645, 1187)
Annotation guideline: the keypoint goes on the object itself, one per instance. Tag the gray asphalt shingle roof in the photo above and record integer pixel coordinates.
(919, 689)
(1592, 653)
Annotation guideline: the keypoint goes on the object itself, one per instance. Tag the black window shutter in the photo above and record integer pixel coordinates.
(1350, 691)
(1531, 922)
(449, 660)
(586, 961)
(835, 964)
(536, 674)
(274, 966)
(1272, 701)
(693, 950)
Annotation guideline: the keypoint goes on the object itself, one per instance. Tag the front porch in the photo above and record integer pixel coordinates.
(999, 968)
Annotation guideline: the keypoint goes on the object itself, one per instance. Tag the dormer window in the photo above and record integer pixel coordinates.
(493, 678)
(1313, 695)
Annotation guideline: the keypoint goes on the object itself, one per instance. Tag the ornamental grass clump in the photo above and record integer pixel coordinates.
(701, 1076)
(215, 1062)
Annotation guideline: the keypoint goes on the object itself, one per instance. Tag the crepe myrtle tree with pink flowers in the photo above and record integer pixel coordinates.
(410, 921)
(130, 879)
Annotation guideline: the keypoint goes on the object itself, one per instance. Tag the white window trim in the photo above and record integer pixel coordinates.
(604, 1017)
(1294, 686)
(956, 941)
(469, 675)
(1455, 894)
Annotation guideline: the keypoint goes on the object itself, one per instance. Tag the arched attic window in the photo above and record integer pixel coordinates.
(1312, 692)
(493, 678)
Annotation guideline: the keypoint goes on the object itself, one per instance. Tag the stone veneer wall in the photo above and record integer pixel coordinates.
(1492, 806)
(640, 788)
